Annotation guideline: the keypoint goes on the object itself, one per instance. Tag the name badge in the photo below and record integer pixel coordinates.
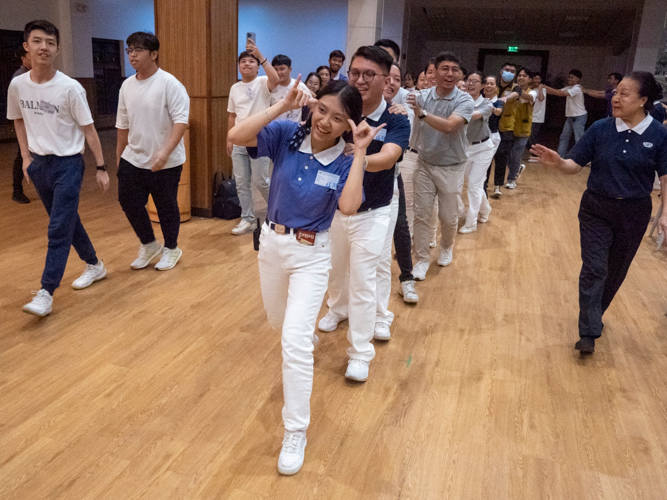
(327, 179)
(382, 133)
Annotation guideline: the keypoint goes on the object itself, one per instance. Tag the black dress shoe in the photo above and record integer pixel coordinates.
(585, 346)
(19, 197)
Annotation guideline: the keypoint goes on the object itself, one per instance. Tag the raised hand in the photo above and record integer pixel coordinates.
(363, 134)
(547, 156)
(296, 98)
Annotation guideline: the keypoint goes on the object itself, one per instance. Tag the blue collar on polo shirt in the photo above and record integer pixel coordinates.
(324, 157)
(377, 114)
(640, 128)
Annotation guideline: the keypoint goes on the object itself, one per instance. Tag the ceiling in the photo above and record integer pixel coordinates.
(527, 22)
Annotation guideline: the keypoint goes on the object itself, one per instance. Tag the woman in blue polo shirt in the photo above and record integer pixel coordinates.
(625, 151)
(311, 177)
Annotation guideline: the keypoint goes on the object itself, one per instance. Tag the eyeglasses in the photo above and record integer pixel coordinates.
(368, 76)
(474, 81)
(135, 50)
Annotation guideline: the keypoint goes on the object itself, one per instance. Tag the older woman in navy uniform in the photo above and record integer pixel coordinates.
(311, 177)
(625, 151)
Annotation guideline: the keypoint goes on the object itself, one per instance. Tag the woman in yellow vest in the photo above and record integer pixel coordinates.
(523, 123)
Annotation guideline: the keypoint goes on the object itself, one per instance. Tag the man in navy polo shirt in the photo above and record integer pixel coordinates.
(357, 240)
(336, 60)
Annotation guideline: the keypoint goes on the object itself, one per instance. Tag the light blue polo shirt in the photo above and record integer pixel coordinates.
(305, 187)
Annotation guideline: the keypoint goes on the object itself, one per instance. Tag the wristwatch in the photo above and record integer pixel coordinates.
(423, 115)
(102, 167)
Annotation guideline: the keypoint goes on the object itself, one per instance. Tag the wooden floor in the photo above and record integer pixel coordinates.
(168, 385)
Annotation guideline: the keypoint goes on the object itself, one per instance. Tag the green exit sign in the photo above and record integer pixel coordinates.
(512, 49)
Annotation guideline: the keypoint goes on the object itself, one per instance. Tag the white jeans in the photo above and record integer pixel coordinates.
(444, 183)
(356, 247)
(293, 280)
(408, 167)
(479, 159)
(383, 278)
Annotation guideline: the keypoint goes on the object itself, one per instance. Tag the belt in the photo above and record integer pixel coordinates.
(413, 150)
(281, 229)
(480, 142)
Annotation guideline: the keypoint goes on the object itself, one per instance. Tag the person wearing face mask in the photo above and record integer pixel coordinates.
(575, 111)
(358, 240)
(480, 153)
(523, 119)
(625, 152)
(506, 93)
(311, 177)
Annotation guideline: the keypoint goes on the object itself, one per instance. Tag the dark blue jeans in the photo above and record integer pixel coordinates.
(402, 242)
(57, 180)
(611, 232)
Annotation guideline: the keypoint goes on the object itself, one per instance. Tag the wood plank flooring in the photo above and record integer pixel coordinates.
(167, 385)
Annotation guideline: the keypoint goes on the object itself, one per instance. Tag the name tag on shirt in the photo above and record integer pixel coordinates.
(381, 134)
(327, 179)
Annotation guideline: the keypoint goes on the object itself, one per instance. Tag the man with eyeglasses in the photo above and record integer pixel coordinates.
(357, 241)
(153, 111)
(442, 115)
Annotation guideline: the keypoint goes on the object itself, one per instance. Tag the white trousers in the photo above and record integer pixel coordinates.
(408, 167)
(356, 247)
(293, 280)
(479, 159)
(443, 183)
(383, 279)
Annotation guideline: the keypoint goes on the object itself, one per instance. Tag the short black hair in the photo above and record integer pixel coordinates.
(143, 40)
(281, 59)
(430, 61)
(389, 44)
(45, 26)
(245, 53)
(617, 76)
(527, 71)
(648, 87)
(337, 53)
(324, 67)
(313, 74)
(576, 73)
(510, 64)
(447, 56)
(21, 52)
(375, 54)
(464, 71)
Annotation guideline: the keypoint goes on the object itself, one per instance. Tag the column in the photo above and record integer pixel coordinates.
(649, 35)
(198, 45)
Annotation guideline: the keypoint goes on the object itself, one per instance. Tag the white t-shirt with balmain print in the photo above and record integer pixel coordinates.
(53, 113)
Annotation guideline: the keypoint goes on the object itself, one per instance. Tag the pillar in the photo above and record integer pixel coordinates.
(647, 37)
(198, 45)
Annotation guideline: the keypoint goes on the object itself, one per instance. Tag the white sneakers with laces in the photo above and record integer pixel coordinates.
(511, 185)
(92, 274)
(419, 271)
(41, 304)
(357, 369)
(468, 229)
(169, 258)
(381, 331)
(407, 291)
(146, 254)
(292, 453)
(328, 323)
(484, 218)
(243, 227)
(445, 257)
(497, 193)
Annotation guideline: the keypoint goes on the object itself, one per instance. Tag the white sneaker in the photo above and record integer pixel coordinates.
(328, 323)
(146, 254)
(468, 229)
(510, 185)
(357, 369)
(419, 271)
(381, 331)
(169, 258)
(40, 304)
(293, 452)
(484, 218)
(497, 193)
(243, 227)
(445, 257)
(407, 291)
(433, 243)
(521, 169)
(92, 274)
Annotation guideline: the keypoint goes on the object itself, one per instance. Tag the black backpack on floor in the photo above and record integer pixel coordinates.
(226, 203)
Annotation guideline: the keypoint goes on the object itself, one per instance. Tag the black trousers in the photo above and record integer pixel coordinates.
(402, 241)
(502, 156)
(18, 172)
(611, 232)
(134, 186)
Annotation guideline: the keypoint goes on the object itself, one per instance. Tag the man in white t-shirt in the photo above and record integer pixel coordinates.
(539, 112)
(52, 120)
(246, 98)
(575, 111)
(153, 111)
(283, 66)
